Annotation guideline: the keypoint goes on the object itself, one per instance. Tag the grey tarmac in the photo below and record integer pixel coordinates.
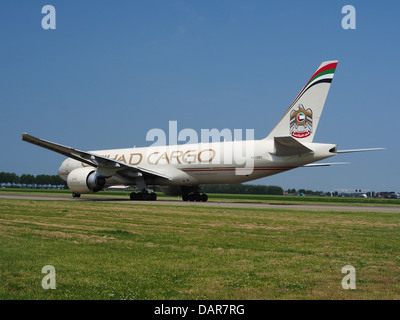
(226, 204)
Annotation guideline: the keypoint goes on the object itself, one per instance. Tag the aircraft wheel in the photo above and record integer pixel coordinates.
(76, 195)
(185, 197)
(153, 196)
(133, 196)
(145, 195)
(204, 197)
(197, 197)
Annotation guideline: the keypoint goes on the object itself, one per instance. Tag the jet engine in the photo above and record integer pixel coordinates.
(85, 180)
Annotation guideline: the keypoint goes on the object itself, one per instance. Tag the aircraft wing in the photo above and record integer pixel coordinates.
(89, 158)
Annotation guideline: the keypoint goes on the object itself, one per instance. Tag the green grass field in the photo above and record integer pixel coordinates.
(132, 250)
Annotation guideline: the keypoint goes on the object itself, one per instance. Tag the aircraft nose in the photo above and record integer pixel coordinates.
(63, 170)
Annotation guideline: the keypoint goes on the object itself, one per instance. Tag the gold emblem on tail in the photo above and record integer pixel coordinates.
(301, 122)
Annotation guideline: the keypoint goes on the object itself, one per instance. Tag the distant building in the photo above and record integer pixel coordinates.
(352, 193)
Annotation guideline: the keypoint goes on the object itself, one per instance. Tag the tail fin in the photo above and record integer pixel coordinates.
(301, 118)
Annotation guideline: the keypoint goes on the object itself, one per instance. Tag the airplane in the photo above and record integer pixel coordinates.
(181, 169)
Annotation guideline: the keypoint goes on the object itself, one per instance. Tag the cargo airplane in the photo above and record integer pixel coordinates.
(180, 169)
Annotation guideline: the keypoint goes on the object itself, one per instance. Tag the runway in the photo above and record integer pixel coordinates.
(223, 204)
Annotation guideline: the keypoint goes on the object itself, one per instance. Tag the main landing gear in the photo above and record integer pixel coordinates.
(195, 197)
(144, 195)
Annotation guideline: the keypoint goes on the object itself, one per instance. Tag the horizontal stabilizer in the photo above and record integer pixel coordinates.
(359, 150)
(324, 164)
(288, 146)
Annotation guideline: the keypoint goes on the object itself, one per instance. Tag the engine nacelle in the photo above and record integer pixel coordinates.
(85, 180)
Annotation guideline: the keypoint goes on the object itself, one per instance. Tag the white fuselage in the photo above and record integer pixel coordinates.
(206, 163)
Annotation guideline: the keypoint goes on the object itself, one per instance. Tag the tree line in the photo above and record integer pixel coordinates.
(40, 180)
(31, 180)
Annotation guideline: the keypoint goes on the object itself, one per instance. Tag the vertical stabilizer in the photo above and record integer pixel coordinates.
(301, 119)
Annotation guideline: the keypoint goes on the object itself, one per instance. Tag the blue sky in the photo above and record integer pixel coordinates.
(113, 70)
